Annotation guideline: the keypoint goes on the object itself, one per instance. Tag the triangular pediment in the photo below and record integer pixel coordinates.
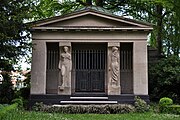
(90, 18)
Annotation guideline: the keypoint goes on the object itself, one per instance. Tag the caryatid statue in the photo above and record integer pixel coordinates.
(114, 66)
(65, 65)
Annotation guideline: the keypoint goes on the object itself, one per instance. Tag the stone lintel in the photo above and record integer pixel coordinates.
(113, 44)
(64, 44)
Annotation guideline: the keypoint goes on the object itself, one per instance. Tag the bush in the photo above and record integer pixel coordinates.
(19, 101)
(79, 109)
(5, 110)
(164, 103)
(166, 106)
(6, 89)
(25, 92)
(140, 105)
(38, 106)
(174, 109)
(164, 79)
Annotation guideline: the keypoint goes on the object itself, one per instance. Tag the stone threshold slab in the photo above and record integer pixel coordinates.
(89, 102)
(89, 98)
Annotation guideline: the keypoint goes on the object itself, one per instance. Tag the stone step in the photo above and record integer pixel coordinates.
(88, 102)
(89, 98)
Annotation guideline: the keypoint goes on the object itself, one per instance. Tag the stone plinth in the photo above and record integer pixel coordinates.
(64, 90)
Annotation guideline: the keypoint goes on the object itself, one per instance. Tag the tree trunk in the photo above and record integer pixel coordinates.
(159, 10)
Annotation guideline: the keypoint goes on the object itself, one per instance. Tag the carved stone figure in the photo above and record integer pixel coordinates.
(65, 66)
(114, 66)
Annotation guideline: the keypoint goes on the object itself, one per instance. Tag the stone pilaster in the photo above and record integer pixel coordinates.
(113, 69)
(38, 74)
(140, 68)
(65, 67)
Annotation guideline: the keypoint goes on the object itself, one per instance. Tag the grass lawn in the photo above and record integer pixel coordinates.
(26, 115)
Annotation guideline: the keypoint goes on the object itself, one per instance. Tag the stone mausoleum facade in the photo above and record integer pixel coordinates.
(89, 56)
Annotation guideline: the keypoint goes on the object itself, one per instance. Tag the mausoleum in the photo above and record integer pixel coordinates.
(89, 56)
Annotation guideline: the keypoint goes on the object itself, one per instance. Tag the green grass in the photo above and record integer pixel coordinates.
(31, 115)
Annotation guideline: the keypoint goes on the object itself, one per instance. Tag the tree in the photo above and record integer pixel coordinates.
(13, 32)
(49, 8)
(14, 42)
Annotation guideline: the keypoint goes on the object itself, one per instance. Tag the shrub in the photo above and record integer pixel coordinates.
(174, 109)
(25, 92)
(74, 109)
(164, 103)
(19, 101)
(38, 106)
(164, 79)
(5, 110)
(6, 89)
(140, 105)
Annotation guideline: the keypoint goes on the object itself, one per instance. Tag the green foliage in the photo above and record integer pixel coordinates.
(48, 8)
(13, 31)
(25, 92)
(140, 105)
(14, 42)
(174, 109)
(166, 106)
(7, 109)
(38, 106)
(79, 109)
(165, 101)
(19, 101)
(6, 91)
(164, 79)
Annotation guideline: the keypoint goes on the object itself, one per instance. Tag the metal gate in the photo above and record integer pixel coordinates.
(89, 62)
(52, 67)
(126, 68)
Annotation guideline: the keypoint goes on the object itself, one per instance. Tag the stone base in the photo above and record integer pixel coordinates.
(64, 90)
(55, 99)
(114, 90)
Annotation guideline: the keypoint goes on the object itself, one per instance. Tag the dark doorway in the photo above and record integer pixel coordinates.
(52, 67)
(89, 66)
(126, 68)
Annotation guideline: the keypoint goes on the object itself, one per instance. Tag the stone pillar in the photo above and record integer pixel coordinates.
(113, 69)
(65, 68)
(38, 72)
(140, 68)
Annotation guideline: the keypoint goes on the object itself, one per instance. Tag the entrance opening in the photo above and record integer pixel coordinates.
(52, 67)
(89, 66)
(126, 68)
